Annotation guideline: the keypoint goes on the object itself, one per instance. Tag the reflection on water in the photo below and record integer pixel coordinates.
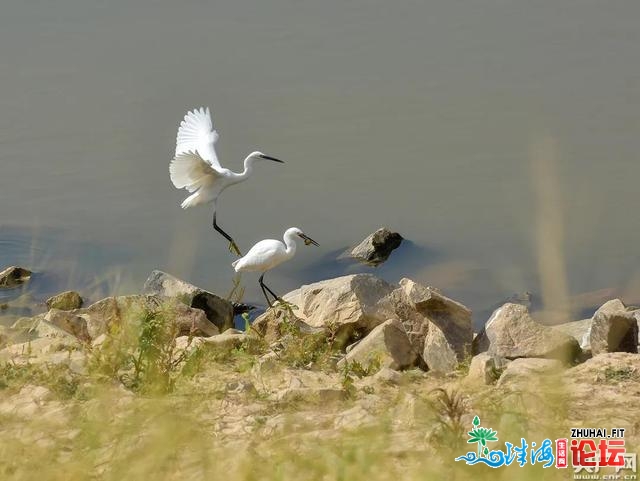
(421, 116)
(59, 263)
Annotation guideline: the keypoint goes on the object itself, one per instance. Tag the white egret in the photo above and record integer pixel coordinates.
(268, 253)
(196, 167)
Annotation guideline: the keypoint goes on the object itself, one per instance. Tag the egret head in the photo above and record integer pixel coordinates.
(307, 240)
(260, 156)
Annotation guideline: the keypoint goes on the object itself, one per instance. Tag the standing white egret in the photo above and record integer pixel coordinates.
(196, 167)
(268, 253)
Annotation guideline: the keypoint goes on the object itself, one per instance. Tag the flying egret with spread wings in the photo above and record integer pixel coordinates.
(269, 253)
(196, 167)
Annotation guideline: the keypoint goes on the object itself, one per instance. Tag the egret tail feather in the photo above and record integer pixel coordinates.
(192, 200)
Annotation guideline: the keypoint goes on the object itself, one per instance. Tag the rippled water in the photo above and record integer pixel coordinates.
(424, 116)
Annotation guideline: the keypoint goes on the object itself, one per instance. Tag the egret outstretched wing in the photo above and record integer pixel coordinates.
(190, 171)
(196, 134)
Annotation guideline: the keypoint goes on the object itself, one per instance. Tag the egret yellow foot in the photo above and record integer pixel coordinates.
(233, 247)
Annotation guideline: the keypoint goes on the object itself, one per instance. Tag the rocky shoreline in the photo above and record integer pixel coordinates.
(338, 356)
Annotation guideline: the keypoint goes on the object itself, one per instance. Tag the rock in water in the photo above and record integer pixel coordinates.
(14, 276)
(613, 329)
(65, 301)
(218, 310)
(511, 333)
(376, 248)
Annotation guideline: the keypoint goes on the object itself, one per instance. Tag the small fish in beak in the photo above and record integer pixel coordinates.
(308, 240)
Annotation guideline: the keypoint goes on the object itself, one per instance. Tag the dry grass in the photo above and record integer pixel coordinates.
(205, 427)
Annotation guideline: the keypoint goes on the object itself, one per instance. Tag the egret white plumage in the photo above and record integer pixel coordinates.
(269, 253)
(196, 167)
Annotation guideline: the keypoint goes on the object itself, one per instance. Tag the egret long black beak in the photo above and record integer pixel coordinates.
(272, 158)
(308, 240)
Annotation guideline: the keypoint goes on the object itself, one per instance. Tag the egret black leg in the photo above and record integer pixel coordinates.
(233, 247)
(264, 286)
(264, 292)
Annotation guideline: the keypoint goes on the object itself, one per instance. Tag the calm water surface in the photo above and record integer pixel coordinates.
(426, 116)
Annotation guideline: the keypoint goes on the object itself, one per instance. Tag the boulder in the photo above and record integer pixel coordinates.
(229, 339)
(14, 276)
(438, 354)
(352, 305)
(375, 248)
(349, 307)
(65, 301)
(613, 329)
(636, 314)
(187, 345)
(524, 372)
(441, 330)
(579, 330)
(387, 376)
(277, 321)
(89, 323)
(26, 329)
(129, 309)
(218, 310)
(486, 369)
(608, 368)
(387, 345)
(70, 323)
(511, 333)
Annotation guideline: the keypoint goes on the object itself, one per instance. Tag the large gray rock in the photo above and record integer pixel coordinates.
(486, 369)
(100, 318)
(579, 330)
(27, 329)
(65, 301)
(511, 333)
(229, 339)
(376, 248)
(14, 276)
(613, 329)
(527, 373)
(130, 309)
(439, 327)
(218, 310)
(350, 304)
(439, 354)
(636, 314)
(386, 346)
(68, 322)
(277, 321)
(610, 368)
